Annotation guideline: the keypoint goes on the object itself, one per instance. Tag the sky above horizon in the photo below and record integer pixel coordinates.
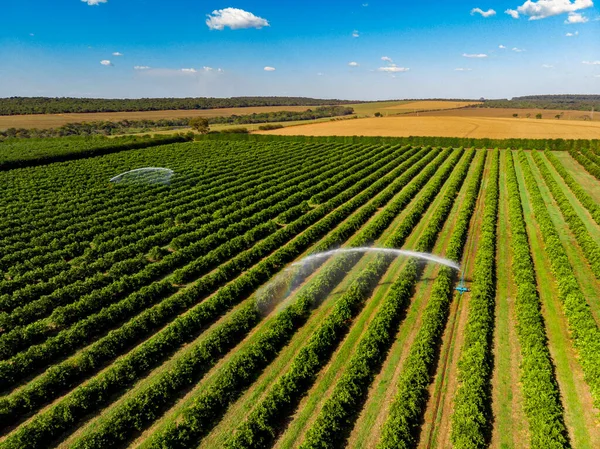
(362, 50)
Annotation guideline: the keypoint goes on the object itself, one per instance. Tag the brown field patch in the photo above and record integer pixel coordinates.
(476, 127)
(427, 105)
(55, 120)
(508, 113)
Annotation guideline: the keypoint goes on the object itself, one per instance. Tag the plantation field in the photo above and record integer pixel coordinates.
(449, 126)
(173, 312)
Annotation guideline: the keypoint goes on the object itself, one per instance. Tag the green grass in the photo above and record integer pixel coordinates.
(506, 428)
(585, 180)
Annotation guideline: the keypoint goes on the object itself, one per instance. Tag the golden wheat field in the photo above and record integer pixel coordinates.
(476, 127)
(428, 105)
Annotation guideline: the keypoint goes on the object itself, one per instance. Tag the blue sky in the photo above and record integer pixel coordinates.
(328, 49)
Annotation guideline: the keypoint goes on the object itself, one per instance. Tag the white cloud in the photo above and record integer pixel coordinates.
(269, 69)
(31, 34)
(547, 66)
(541, 9)
(518, 50)
(116, 53)
(320, 74)
(106, 62)
(596, 76)
(387, 59)
(462, 69)
(365, 4)
(477, 55)
(501, 47)
(235, 19)
(488, 13)
(141, 67)
(353, 64)
(207, 69)
(94, 2)
(355, 33)
(190, 70)
(576, 33)
(513, 13)
(576, 18)
(591, 62)
(393, 69)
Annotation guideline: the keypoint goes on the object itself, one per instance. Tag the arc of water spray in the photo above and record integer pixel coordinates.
(167, 171)
(392, 251)
(274, 293)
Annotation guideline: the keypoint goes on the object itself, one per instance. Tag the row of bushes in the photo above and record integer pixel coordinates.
(582, 325)
(471, 417)
(466, 142)
(590, 167)
(401, 426)
(584, 198)
(263, 422)
(224, 190)
(113, 430)
(336, 419)
(67, 373)
(541, 394)
(216, 247)
(205, 243)
(286, 393)
(37, 152)
(52, 217)
(589, 246)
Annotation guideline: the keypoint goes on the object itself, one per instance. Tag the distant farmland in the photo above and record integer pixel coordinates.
(451, 125)
(168, 312)
(55, 120)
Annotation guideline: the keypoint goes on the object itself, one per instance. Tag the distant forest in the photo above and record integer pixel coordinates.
(44, 105)
(570, 102)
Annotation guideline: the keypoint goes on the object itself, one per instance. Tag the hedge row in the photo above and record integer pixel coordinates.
(471, 417)
(339, 412)
(222, 246)
(96, 147)
(589, 246)
(66, 412)
(401, 426)
(584, 198)
(199, 417)
(591, 168)
(466, 142)
(582, 325)
(263, 422)
(543, 406)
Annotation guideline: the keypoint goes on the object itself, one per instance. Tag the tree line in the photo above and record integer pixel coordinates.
(45, 105)
(568, 102)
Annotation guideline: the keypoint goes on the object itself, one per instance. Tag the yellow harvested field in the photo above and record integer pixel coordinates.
(431, 105)
(55, 120)
(476, 127)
